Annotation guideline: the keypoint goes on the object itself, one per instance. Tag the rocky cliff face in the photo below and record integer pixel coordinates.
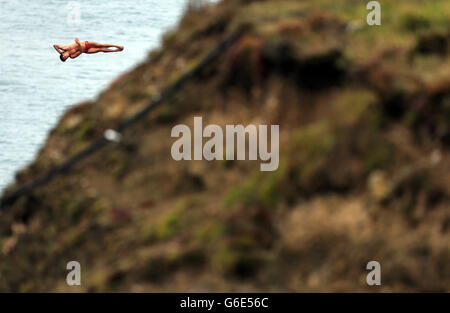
(364, 160)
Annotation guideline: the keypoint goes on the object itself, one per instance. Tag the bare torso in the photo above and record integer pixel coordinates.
(70, 46)
(73, 49)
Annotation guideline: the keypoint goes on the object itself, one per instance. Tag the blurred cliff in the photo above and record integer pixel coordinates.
(364, 161)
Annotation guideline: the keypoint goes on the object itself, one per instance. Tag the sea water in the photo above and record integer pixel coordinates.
(36, 87)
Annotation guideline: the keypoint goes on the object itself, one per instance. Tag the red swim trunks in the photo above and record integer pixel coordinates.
(87, 46)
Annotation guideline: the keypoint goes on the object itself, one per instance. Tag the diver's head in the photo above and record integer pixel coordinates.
(64, 56)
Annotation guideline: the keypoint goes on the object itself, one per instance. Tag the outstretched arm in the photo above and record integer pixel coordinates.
(58, 49)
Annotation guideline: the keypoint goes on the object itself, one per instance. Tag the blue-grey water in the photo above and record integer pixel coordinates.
(36, 87)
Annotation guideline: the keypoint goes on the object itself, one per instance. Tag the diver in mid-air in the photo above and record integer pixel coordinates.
(75, 49)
